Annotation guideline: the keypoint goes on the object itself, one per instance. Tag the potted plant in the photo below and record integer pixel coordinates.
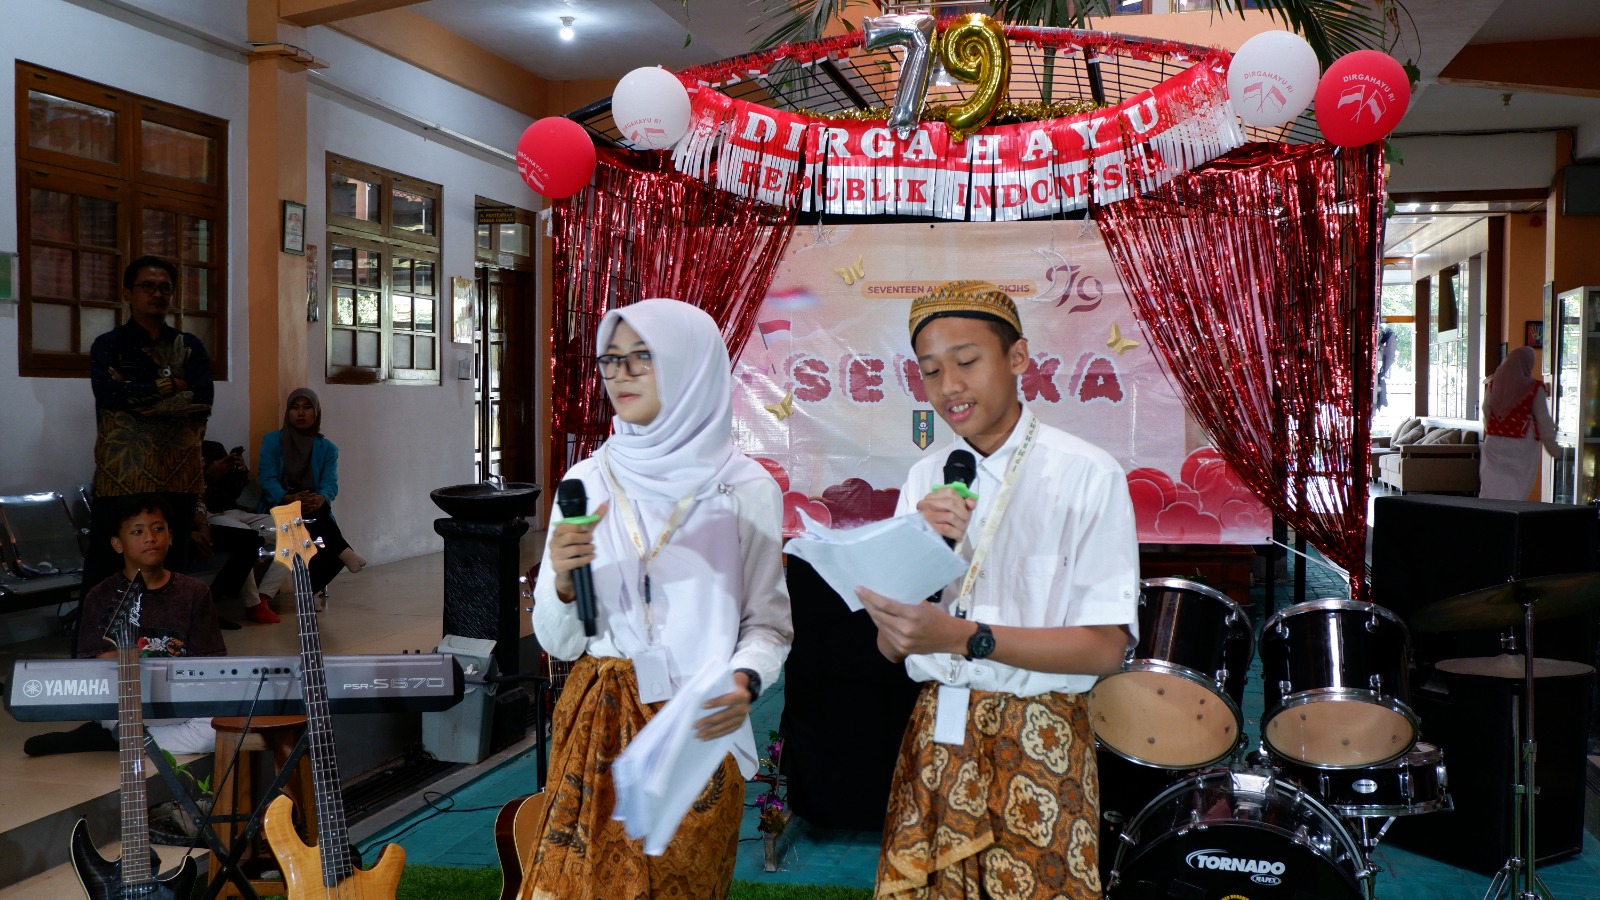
(170, 821)
(775, 815)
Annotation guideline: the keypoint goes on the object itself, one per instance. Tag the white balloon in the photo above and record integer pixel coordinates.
(651, 108)
(1272, 78)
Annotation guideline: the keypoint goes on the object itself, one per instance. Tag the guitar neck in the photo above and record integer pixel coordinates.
(333, 843)
(130, 753)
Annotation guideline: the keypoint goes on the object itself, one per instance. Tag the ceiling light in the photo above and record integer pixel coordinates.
(566, 28)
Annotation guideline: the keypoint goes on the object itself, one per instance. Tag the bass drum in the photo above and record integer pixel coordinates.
(1244, 834)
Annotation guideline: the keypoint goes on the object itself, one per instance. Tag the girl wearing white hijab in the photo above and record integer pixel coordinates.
(1516, 423)
(686, 557)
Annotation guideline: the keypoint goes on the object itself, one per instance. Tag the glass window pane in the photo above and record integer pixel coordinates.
(402, 313)
(342, 265)
(353, 198)
(342, 352)
(50, 214)
(344, 306)
(98, 277)
(67, 126)
(368, 273)
(175, 153)
(197, 239)
(514, 239)
(402, 275)
(413, 212)
(52, 272)
(204, 328)
(52, 328)
(367, 349)
(483, 237)
(93, 322)
(196, 289)
(422, 312)
(496, 349)
(423, 351)
(423, 275)
(159, 233)
(401, 345)
(97, 222)
(367, 303)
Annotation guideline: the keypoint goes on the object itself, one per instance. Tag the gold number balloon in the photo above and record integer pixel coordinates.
(974, 50)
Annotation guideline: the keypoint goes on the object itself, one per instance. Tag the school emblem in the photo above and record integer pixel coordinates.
(922, 427)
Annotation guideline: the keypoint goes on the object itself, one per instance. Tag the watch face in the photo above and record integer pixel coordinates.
(981, 644)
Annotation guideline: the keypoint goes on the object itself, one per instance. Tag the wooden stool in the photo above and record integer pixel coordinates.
(237, 796)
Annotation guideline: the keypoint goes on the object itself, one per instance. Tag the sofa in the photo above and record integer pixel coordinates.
(1430, 455)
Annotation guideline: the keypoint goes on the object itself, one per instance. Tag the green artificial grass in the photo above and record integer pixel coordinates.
(451, 883)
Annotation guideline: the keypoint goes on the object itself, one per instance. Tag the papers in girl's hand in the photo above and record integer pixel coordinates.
(902, 558)
(660, 773)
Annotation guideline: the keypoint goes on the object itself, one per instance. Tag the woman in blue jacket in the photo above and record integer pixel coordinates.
(298, 463)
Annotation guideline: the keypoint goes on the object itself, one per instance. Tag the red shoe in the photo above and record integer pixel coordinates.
(261, 614)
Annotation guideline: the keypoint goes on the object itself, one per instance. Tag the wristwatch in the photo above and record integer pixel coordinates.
(981, 644)
(752, 683)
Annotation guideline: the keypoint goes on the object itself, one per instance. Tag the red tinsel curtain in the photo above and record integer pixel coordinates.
(1256, 279)
(642, 230)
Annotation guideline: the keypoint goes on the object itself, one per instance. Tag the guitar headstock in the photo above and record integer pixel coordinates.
(293, 539)
(122, 629)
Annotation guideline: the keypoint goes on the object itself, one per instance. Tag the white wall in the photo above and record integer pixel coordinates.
(47, 424)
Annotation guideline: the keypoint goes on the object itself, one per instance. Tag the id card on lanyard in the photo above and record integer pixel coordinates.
(652, 666)
(951, 713)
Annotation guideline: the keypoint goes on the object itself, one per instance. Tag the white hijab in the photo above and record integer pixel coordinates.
(688, 448)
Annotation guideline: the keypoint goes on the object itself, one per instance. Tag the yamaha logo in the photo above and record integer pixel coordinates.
(32, 688)
(1261, 871)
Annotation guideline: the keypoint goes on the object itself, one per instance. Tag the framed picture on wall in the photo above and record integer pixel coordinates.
(1533, 334)
(294, 227)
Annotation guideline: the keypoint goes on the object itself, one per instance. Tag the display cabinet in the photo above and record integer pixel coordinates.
(1572, 345)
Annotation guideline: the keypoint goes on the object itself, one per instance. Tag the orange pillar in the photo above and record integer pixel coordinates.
(276, 162)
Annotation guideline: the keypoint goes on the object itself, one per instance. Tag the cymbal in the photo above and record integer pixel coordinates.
(1512, 665)
(1500, 605)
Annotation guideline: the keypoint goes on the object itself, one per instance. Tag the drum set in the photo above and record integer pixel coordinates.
(1187, 812)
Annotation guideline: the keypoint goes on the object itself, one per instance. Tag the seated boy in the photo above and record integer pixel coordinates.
(995, 793)
(176, 618)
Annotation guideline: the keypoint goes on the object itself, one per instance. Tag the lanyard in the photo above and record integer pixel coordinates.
(991, 525)
(636, 535)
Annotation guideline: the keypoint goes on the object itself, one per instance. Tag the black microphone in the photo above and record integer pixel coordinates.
(574, 502)
(960, 467)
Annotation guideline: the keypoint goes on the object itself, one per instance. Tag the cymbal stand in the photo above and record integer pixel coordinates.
(1517, 879)
(1369, 838)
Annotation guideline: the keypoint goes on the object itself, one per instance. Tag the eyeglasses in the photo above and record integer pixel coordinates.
(638, 364)
(156, 287)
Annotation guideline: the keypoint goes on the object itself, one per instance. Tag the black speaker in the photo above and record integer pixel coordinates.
(1469, 718)
(1428, 547)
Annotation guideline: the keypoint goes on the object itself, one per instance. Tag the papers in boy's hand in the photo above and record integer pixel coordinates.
(661, 772)
(902, 558)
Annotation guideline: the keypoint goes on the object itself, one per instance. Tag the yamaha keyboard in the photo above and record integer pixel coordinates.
(58, 690)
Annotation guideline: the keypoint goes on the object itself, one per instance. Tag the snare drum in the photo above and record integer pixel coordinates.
(1335, 675)
(1413, 784)
(1175, 704)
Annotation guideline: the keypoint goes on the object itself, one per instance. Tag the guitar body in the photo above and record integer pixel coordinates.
(102, 878)
(302, 865)
(516, 831)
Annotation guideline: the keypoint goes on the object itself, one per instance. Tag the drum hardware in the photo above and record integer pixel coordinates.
(1498, 606)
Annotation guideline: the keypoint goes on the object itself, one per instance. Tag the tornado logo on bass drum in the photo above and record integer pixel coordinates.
(1261, 871)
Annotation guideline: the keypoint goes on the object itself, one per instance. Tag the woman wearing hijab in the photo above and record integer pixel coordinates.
(298, 463)
(686, 560)
(1516, 422)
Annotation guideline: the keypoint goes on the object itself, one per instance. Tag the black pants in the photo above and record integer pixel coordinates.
(106, 516)
(242, 546)
(326, 563)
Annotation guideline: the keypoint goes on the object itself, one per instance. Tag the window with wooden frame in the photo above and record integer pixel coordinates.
(104, 177)
(383, 275)
(505, 234)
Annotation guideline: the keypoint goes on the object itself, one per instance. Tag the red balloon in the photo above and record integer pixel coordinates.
(1362, 97)
(555, 157)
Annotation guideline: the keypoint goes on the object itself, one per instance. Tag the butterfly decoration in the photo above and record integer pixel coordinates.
(784, 408)
(1119, 343)
(852, 274)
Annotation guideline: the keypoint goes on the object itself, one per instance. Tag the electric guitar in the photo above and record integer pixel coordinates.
(515, 832)
(133, 874)
(327, 869)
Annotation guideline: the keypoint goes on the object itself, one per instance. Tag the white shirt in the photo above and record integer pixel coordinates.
(1066, 552)
(708, 599)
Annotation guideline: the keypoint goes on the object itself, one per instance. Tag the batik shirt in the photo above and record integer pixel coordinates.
(149, 431)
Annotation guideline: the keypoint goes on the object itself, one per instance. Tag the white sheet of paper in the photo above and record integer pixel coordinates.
(902, 558)
(661, 772)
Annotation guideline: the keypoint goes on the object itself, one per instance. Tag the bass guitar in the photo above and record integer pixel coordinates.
(133, 874)
(325, 871)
